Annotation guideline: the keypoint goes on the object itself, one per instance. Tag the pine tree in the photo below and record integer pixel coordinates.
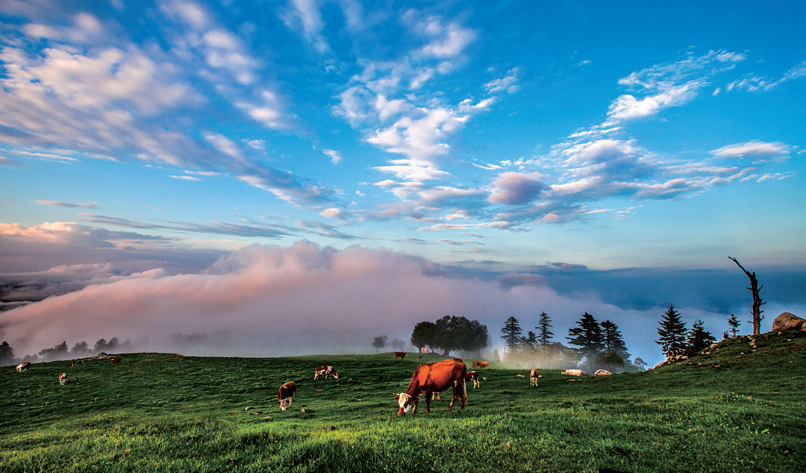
(530, 341)
(544, 334)
(613, 341)
(511, 334)
(588, 336)
(734, 323)
(698, 338)
(672, 331)
(6, 354)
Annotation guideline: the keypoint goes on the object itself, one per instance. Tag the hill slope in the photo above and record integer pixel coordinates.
(735, 409)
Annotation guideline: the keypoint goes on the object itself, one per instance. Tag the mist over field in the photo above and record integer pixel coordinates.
(273, 301)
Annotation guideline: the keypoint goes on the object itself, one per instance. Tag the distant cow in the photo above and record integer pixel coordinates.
(602, 373)
(434, 377)
(76, 362)
(22, 367)
(400, 354)
(423, 349)
(62, 378)
(534, 376)
(286, 394)
(419, 357)
(115, 360)
(575, 372)
(325, 371)
(473, 376)
(481, 364)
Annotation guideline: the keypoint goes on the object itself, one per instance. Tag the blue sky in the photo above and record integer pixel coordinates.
(484, 139)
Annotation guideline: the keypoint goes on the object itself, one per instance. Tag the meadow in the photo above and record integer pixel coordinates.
(737, 409)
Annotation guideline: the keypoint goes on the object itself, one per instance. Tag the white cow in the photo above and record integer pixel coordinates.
(62, 378)
(22, 367)
(575, 372)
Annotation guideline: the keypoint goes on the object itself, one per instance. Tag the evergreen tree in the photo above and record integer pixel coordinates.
(588, 336)
(530, 341)
(734, 325)
(672, 331)
(613, 341)
(511, 334)
(6, 354)
(698, 338)
(544, 334)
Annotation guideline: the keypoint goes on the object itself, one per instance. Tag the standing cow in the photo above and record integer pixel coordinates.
(473, 376)
(115, 360)
(534, 376)
(286, 394)
(325, 371)
(23, 367)
(400, 354)
(62, 378)
(434, 377)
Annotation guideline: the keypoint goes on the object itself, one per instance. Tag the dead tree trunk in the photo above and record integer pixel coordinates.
(757, 302)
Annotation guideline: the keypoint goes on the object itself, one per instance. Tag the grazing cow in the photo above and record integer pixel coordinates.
(62, 378)
(473, 376)
(432, 378)
(23, 367)
(325, 371)
(419, 357)
(76, 362)
(286, 394)
(533, 377)
(115, 360)
(400, 354)
(575, 372)
(423, 349)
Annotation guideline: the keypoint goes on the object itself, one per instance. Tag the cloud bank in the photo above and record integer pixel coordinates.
(303, 299)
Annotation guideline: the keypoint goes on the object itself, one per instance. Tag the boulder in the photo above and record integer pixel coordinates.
(602, 373)
(788, 321)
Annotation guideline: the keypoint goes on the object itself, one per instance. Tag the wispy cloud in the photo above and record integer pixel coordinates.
(86, 205)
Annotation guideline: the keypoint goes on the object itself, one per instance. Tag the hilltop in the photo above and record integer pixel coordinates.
(736, 408)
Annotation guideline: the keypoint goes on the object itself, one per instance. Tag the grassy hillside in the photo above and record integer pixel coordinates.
(725, 411)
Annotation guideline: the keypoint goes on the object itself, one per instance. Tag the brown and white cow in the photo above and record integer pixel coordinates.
(432, 378)
(325, 371)
(115, 360)
(473, 376)
(400, 354)
(481, 364)
(534, 376)
(23, 367)
(77, 362)
(286, 394)
(62, 378)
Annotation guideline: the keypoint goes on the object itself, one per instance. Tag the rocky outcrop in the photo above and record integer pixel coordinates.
(788, 321)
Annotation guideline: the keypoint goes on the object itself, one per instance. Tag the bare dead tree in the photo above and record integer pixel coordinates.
(757, 302)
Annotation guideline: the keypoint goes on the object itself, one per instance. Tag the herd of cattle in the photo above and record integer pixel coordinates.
(428, 381)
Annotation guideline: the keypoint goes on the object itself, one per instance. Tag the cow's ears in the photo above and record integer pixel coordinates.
(397, 397)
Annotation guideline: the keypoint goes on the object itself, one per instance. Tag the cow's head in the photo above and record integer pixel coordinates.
(404, 401)
(282, 404)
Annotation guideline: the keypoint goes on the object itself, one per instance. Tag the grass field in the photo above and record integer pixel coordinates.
(723, 412)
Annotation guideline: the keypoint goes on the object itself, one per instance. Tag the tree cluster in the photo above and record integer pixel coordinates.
(673, 335)
(451, 333)
(592, 345)
(61, 351)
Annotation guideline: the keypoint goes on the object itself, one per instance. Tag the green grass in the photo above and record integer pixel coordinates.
(723, 412)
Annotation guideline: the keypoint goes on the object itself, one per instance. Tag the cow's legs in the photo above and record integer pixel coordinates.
(428, 395)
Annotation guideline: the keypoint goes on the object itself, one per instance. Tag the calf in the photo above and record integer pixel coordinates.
(62, 378)
(325, 371)
(400, 354)
(22, 367)
(533, 377)
(473, 376)
(286, 394)
(434, 378)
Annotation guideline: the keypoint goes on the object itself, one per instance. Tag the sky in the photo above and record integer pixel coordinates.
(269, 178)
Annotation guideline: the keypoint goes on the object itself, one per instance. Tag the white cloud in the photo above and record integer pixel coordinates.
(508, 84)
(334, 155)
(304, 15)
(512, 188)
(752, 149)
